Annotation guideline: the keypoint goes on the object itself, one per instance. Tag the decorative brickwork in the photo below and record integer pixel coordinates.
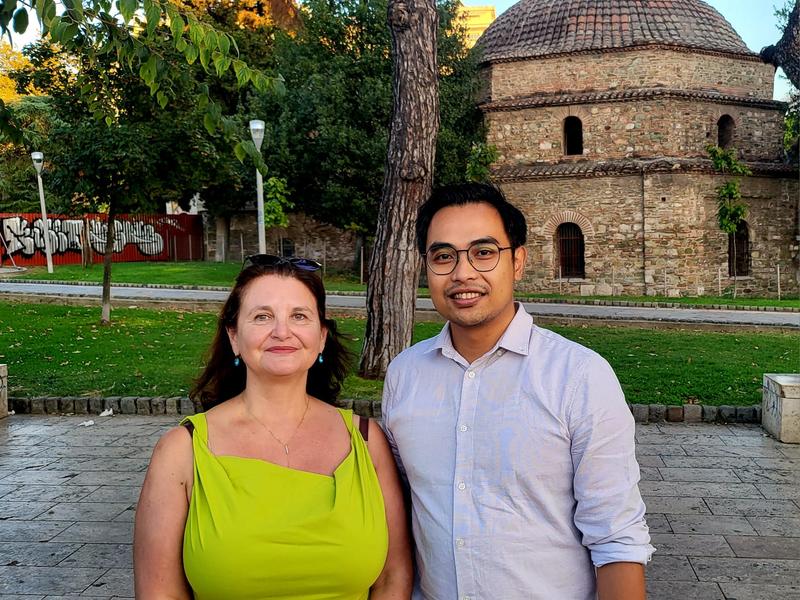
(633, 68)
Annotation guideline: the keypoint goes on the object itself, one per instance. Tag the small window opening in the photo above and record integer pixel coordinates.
(573, 136)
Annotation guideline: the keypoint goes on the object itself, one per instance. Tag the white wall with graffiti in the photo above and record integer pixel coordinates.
(83, 239)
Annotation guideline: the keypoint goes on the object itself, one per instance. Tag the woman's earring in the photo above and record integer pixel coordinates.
(237, 361)
(320, 360)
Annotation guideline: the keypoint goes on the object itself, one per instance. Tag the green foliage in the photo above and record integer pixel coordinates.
(791, 121)
(276, 202)
(731, 211)
(135, 44)
(328, 135)
(480, 159)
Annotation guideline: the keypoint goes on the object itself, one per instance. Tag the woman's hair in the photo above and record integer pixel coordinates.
(221, 380)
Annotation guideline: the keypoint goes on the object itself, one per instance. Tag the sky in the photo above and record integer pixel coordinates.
(753, 20)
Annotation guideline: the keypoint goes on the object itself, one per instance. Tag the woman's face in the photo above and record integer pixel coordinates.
(278, 332)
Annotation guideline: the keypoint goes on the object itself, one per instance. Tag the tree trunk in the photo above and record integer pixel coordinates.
(105, 317)
(394, 265)
(786, 53)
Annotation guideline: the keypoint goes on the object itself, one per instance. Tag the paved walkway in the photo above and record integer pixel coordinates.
(723, 501)
(624, 313)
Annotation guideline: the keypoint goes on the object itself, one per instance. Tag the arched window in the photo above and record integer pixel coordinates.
(573, 136)
(739, 251)
(569, 245)
(725, 127)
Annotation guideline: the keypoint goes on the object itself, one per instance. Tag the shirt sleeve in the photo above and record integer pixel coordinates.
(387, 404)
(609, 511)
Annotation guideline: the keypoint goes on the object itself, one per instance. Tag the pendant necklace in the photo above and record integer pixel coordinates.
(275, 437)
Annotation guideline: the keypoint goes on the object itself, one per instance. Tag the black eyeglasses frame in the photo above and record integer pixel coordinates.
(273, 260)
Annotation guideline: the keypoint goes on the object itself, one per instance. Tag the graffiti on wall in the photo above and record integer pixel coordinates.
(27, 237)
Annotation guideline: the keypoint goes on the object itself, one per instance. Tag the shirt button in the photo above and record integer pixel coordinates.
(466, 598)
(500, 352)
(462, 485)
(463, 428)
(459, 542)
(471, 374)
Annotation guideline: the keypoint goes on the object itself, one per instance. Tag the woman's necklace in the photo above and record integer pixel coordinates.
(277, 439)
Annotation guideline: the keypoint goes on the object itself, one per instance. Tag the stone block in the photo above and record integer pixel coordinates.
(143, 406)
(692, 413)
(127, 405)
(81, 406)
(780, 406)
(66, 405)
(603, 289)
(726, 414)
(640, 412)
(675, 414)
(3, 391)
(112, 402)
(709, 413)
(51, 406)
(746, 414)
(345, 403)
(657, 412)
(187, 406)
(171, 406)
(37, 406)
(96, 405)
(158, 406)
(587, 290)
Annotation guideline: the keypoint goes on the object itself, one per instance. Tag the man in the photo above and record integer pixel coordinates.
(517, 444)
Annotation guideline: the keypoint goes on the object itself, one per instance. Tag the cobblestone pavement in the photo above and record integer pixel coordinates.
(723, 502)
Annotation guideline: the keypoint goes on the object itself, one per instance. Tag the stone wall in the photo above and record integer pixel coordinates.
(638, 229)
(305, 236)
(646, 68)
(634, 128)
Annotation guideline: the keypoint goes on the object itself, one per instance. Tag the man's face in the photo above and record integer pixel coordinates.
(467, 297)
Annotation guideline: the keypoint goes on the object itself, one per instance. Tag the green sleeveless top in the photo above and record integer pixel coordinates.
(258, 530)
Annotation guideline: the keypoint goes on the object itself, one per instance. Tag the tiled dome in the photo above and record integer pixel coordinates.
(535, 28)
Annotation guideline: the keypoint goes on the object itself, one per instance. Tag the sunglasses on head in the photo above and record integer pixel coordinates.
(271, 260)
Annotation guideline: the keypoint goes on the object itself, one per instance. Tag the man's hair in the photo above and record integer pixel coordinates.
(472, 193)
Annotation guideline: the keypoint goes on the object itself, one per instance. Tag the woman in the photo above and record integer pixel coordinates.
(272, 492)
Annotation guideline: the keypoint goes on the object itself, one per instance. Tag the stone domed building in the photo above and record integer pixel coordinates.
(601, 111)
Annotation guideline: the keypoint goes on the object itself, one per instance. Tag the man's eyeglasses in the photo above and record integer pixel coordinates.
(483, 256)
(271, 260)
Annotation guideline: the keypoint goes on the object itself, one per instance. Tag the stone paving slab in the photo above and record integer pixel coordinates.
(723, 506)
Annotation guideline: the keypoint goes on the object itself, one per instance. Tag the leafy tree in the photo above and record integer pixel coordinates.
(328, 135)
(480, 159)
(786, 53)
(731, 211)
(10, 60)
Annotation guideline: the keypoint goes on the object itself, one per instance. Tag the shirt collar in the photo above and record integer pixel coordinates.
(516, 338)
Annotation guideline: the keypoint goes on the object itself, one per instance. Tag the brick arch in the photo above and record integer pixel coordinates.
(567, 216)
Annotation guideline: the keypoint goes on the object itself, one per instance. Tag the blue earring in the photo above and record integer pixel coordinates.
(320, 359)
(237, 361)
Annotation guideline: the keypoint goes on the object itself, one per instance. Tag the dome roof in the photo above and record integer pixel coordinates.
(534, 28)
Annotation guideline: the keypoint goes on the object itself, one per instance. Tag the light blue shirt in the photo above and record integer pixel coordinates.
(521, 466)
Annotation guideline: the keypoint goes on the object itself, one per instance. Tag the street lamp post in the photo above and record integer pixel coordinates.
(257, 133)
(38, 162)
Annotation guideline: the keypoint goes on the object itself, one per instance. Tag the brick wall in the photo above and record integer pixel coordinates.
(646, 68)
(636, 228)
(634, 128)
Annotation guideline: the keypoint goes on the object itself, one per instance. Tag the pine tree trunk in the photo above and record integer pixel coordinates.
(786, 53)
(394, 265)
(105, 317)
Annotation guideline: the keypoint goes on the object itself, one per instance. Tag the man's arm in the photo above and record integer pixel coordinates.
(620, 581)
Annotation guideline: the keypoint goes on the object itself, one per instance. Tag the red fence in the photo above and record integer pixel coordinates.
(136, 238)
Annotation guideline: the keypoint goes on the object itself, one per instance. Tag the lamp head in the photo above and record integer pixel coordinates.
(257, 132)
(38, 161)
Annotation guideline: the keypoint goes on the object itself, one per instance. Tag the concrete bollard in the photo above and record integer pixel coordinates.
(3, 391)
(780, 407)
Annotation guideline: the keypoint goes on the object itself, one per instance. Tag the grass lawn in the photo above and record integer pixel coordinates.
(62, 351)
(222, 274)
